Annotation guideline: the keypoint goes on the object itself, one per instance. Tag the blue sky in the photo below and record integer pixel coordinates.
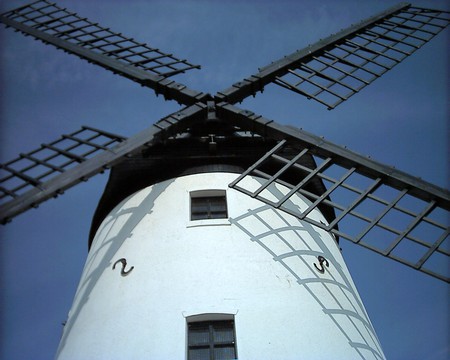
(400, 119)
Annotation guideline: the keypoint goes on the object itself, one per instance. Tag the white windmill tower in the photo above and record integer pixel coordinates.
(221, 249)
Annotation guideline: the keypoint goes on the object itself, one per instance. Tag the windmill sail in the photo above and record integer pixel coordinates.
(333, 69)
(390, 212)
(99, 45)
(35, 177)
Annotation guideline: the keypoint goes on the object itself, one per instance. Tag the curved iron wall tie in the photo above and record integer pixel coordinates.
(322, 260)
(123, 261)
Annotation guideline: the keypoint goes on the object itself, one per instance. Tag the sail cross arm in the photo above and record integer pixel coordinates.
(376, 206)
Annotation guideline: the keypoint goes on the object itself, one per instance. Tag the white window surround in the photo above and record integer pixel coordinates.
(203, 314)
(209, 316)
(207, 192)
(207, 222)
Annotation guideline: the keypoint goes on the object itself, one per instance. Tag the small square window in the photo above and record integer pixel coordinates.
(211, 340)
(208, 205)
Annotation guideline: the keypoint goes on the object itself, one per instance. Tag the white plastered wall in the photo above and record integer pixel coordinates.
(257, 266)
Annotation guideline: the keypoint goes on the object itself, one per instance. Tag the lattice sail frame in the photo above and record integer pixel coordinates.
(332, 76)
(337, 67)
(376, 206)
(55, 21)
(113, 51)
(48, 171)
(32, 169)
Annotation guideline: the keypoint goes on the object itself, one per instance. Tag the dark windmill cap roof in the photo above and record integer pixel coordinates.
(189, 155)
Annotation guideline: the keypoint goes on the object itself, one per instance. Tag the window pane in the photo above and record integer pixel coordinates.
(217, 203)
(223, 336)
(218, 215)
(199, 337)
(199, 207)
(199, 354)
(224, 353)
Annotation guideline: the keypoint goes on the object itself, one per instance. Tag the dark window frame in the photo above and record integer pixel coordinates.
(208, 205)
(212, 344)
